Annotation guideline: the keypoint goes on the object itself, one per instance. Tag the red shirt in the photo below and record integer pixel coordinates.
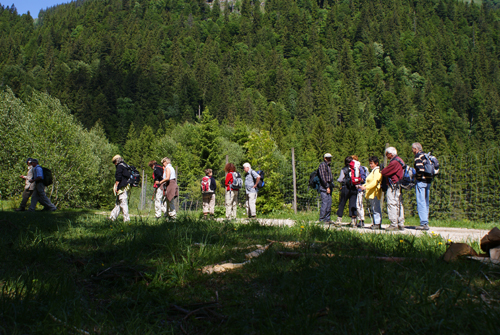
(229, 180)
(393, 171)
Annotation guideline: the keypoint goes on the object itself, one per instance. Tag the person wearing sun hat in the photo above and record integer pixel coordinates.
(325, 188)
(120, 189)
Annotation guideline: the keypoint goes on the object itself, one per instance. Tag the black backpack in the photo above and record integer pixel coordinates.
(134, 177)
(261, 183)
(314, 180)
(47, 177)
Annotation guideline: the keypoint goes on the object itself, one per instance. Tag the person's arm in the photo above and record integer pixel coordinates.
(34, 180)
(257, 179)
(229, 179)
(213, 184)
(167, 176)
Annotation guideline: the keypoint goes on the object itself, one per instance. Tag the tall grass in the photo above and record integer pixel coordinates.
(65, 270)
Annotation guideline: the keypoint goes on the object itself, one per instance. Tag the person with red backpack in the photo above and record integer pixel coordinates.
(360, 209)
(393, 173)
(160, 207)
(208, 188)
(348, 192)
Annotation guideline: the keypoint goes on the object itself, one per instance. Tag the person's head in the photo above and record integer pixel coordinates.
(208, 172)
(354, 157)
(152, 164)
(391, 152)
(34, 162)
(165, 161)
(229, 167)
(416, 147)
(327, 157)
(28, 161)
(247, 167)
(117, 159)
(373, 160)
(348, 160)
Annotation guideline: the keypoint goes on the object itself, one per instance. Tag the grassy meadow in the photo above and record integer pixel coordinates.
(76, 272)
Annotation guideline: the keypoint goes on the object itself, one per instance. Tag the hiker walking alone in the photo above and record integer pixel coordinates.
(373, 189)
(208, 188)
(252, 179)
(39, 190)
(325, 188)
(393, 173)
(29, 187)
(157, 178)
(422, 186)
(348, 192)
(169, 187)
(232, 190)
(121, 188)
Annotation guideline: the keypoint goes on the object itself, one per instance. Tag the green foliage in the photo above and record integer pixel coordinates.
(210, 156)
(42, 128)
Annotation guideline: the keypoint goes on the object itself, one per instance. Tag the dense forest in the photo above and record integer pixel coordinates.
(344, 76)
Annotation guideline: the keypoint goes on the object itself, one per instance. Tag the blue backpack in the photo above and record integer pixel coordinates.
(408, 181)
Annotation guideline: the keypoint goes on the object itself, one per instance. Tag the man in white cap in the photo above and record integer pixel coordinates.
(325, 188)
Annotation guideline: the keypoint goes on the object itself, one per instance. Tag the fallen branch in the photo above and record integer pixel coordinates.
(81, 331)
(291, 254)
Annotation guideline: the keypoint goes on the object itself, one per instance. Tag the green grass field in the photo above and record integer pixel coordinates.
(77, 272)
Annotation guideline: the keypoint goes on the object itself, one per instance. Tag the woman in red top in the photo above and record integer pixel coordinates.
(231, 193)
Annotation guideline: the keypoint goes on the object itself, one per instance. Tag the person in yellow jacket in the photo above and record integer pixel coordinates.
(373, 188)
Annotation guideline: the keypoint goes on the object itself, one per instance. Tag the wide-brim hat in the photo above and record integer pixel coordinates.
(328, 155)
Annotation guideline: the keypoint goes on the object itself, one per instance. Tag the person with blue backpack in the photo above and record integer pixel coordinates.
(39, 191)
(424, 174)
(393, 174)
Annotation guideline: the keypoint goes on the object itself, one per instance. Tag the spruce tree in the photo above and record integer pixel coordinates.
(209, 132)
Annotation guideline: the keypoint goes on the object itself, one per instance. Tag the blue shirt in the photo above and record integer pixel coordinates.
(37, 172)
(250, 178)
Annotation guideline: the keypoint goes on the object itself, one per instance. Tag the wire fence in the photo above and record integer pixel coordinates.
(467, 188)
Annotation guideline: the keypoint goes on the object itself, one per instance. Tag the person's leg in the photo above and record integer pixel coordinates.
(234, 202)
(124, 206)
(212, 204)
(206, 205)
(170, 205)
(26, 195)
(34, 200)
(228, 204)
(401, 211)
(324, 205)
(360, 209)
(342, 202)
(158, 202)
(353, 196)
(422, 209)
(427, 195)
(253, 204)
(43, 199)
(116, 210)
(392, 206)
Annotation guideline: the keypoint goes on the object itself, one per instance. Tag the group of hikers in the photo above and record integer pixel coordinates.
(356, 184)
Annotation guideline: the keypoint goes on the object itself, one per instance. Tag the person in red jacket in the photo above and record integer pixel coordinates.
(393, 173)
(231, 191)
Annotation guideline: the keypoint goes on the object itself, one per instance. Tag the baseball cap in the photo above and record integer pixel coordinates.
(328, 155)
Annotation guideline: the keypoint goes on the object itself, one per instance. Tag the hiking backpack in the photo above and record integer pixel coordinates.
(408, 180)
(431, 165)
(237, 181)
(47, 177)
(205, 185)
(354, 173)
(134, 178)
(363, 173)
(261, 183)
(347, 181)
(314, 180)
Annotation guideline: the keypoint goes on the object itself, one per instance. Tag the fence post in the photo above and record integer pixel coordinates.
(383, 193)
(294, 182)
(142, 192)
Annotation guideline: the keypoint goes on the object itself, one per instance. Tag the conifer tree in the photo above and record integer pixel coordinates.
(209, 132)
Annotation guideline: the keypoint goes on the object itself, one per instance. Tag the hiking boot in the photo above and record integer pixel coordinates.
(376, 227)
(392, 228)
(401, 227)
(422, 227)
(361, 224)
(338, 222)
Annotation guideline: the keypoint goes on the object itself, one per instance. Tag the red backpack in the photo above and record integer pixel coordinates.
(355, 180)
(205, 185)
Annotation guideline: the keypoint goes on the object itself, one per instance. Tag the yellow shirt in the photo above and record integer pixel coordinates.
(373, 184)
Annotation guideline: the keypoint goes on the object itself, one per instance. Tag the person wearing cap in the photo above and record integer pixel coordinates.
(29, 187)
(325, 188)
(120, 189)
(39, 190)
